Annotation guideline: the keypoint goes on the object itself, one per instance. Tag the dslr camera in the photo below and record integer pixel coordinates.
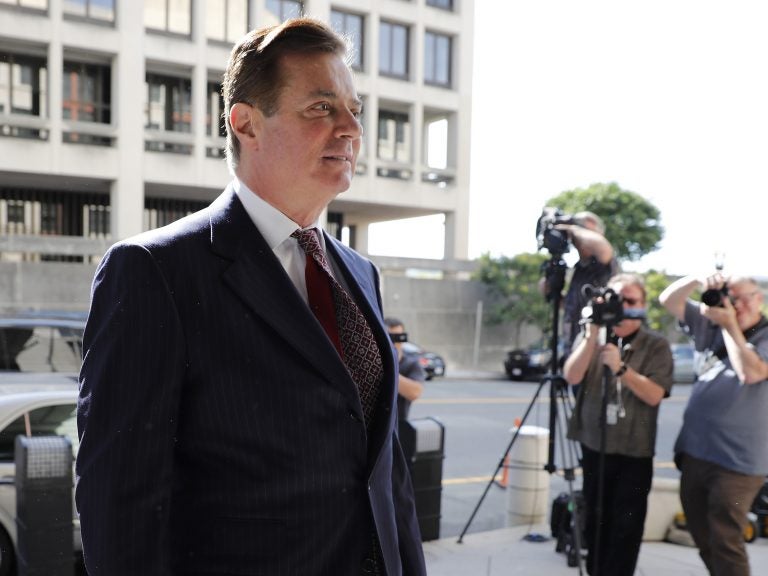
(606, 307)
(714, 296)
(547, 235)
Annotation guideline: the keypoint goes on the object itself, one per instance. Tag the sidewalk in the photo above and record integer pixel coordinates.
(503, 552)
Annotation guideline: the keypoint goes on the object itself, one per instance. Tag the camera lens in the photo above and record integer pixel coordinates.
(713, 297)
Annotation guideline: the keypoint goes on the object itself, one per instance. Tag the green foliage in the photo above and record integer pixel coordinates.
(514, 281)
(657, 316)
(632, 224)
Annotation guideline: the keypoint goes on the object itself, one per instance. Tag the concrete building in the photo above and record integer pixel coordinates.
(110, 118)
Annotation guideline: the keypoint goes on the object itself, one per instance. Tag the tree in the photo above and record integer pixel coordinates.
(657, 316)
(514, 281)
(632, 223)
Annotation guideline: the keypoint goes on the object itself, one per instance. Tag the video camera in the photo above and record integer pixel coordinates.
(547, 235)
(714, 296)
(606, 307)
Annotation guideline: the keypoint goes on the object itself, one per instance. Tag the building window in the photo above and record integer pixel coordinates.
(350, 26)
(285, 9)
(214, 111)
(161, 211)
(38, 4)
(169, 103)
(87, 93)
(168, 109)
(393, 50)
(23, 81)
(437, 59)
(444, 4)
(26, 211)
(174, 16)
(394, 138)
(226, 20)
(103, 10)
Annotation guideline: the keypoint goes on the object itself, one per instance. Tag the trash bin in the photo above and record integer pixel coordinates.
(423, 441)
(528, 481)
(44, 506)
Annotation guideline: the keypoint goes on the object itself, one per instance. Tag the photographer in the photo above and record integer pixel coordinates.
(722, 449)
(640, 366)
(411, 374)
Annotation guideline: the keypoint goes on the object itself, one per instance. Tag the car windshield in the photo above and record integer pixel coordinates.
(40, 348)
(58, 420)
(410, 348)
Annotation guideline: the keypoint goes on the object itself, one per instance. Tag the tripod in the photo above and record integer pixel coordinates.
(554, 270)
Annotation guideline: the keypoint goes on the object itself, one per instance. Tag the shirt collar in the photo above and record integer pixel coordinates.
(274, 226)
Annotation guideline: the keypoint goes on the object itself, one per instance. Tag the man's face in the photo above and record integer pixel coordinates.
(746, 299)
(308, 148)
(632, 298)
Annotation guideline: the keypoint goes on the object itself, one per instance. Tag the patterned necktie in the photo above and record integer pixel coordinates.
(359, 349)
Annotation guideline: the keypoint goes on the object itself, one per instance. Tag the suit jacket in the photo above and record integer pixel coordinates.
(220, 431)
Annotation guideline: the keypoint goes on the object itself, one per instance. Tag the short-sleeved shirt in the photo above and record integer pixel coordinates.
(634, 434)
(726, 421)
(409, 367)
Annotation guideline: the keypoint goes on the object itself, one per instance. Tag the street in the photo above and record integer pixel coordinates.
(478, 414)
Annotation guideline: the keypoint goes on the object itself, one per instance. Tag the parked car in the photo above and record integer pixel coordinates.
(531, 363)
(40, 348)
(38, 411)
(433, 363)
(684, 358)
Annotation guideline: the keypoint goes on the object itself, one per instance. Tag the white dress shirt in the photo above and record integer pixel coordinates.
(277, 228)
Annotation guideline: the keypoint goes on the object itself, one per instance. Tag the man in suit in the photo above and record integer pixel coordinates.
(227, 424)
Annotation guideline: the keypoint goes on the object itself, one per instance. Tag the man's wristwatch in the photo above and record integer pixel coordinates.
(621, 371)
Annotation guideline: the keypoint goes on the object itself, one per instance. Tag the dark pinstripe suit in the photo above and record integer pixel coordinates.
(221, 433)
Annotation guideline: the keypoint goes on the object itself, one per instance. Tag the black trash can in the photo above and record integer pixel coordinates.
(423, 441)
(44, 506)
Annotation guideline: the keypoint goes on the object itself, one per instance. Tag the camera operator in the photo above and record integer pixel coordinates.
(411, 375)
(595, 266)
(640, 364)
(722, 448)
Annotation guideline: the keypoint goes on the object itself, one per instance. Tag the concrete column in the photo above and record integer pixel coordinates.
(55, 81)
(127, 191)
(199, 86)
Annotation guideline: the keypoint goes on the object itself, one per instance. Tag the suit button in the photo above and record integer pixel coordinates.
(368, 566)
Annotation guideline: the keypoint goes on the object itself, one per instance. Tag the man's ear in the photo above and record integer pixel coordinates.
(245, 121)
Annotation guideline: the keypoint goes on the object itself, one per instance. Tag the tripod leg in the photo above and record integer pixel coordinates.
(501, 461)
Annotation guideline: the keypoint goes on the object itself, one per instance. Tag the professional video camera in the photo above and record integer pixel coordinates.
(547, 235)
(606, 307)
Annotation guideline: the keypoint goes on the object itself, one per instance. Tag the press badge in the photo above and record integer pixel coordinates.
(611, 414)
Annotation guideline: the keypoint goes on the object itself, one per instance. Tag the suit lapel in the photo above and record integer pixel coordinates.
(259, 280)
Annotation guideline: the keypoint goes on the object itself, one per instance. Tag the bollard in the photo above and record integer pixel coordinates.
(528, 485)
(423, 441)
(44, 506)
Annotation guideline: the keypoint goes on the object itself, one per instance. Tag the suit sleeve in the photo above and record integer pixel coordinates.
(130, 384)
(408, 534)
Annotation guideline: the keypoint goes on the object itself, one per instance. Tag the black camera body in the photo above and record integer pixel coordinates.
(549, 237)
(605, 308)
(714, 296)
